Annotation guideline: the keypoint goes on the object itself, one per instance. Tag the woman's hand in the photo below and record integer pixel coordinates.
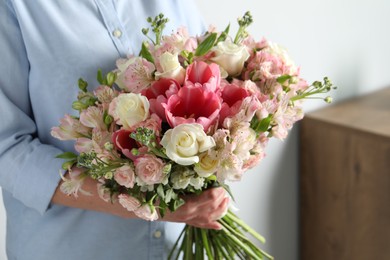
(201, 210)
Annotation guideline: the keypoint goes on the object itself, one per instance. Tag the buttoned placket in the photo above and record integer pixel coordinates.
(156, 240)
(114, 27)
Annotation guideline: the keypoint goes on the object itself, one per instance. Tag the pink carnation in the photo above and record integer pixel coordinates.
(124, 176)
(149, 169)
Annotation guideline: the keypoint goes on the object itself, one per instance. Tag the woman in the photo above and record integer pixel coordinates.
(45, 46)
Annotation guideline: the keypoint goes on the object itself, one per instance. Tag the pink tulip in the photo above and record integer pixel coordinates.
(123, 142)
(232, 96)
(201, 73)
(158, 93)
(193, 105)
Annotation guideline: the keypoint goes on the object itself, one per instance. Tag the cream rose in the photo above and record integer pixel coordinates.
(171, 68)
(184, 142)
(230, 57)
(207, 165)
(129, 109)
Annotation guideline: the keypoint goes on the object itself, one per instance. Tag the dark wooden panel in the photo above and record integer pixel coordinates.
(344, 187)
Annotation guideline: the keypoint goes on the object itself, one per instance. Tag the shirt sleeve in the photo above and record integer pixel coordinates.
(28, 168)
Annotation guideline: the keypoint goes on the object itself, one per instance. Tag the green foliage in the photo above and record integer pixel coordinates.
(145, 53)
(206, 44)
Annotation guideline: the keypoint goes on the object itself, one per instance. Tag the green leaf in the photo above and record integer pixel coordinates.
(160, 191)
(206, 45)
(67, 156)
(145, 53)
(68, 164)
(261, 126)
(162, 208)
(176, 204)
(169, 195)
(224, 34)
(264, 124)
(282, 79)
(100, 77)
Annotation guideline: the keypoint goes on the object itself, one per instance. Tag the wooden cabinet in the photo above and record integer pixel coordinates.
(345, 180)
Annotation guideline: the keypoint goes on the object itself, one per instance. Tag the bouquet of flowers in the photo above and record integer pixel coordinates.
(187, 114)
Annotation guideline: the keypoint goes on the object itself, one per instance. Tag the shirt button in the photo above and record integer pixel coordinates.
(157, 234)
(117, 33)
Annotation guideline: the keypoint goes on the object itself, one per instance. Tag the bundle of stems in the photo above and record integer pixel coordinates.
(230, 242)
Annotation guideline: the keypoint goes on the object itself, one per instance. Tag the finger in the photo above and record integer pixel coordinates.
(222, 209)
(208, 196)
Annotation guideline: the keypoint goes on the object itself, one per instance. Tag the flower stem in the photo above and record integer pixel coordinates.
(245, 227)
(206, 245)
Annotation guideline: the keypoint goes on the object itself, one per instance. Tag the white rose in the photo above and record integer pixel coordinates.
(230, 57)
(171, 68)
(207, 165)
(129, 109)
(184, 142)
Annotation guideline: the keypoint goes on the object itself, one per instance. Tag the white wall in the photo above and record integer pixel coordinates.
(347, 40)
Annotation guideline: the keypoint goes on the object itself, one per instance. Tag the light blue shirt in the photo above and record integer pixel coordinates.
(45, 46)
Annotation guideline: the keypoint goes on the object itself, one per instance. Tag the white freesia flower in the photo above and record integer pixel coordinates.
(129, 109)
(181, 178)
(171, 67)
(197, 182)
(230, 57)
(185, 142)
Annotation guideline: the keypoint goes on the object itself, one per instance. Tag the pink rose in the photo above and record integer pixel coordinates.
(104, 192)
(149, 169)
(128, 202)
(193, 105)
(147, 212)
(153, 123)
(158, 93)
(124, 176)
